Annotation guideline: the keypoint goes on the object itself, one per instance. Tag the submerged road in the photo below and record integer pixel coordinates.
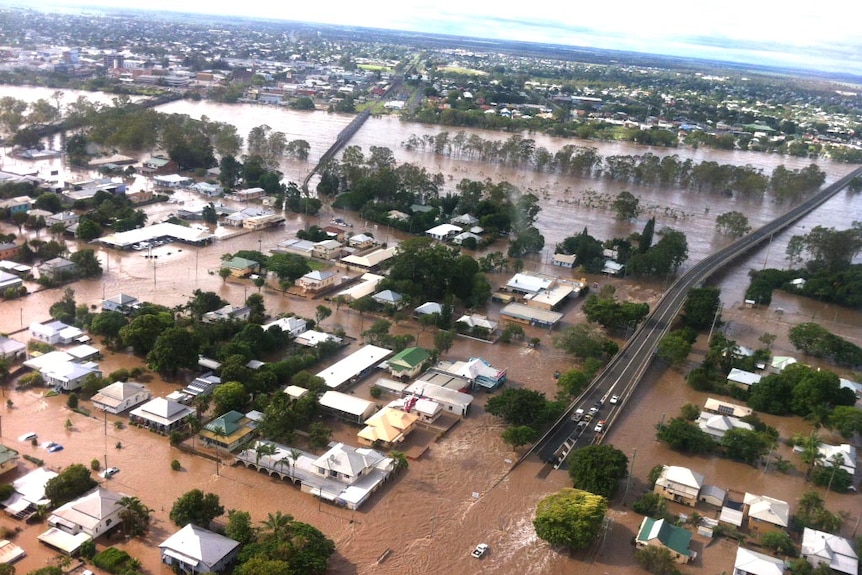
(625, 371)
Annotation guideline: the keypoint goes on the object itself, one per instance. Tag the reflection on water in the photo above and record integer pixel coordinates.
(458, 494)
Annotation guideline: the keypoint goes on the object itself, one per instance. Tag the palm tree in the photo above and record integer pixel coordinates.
(135, 516)
(400, 458)
(294, 455)
(811, 452)
(277, 523)
(263, 448)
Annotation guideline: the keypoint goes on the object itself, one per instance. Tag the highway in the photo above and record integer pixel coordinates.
(625, 371)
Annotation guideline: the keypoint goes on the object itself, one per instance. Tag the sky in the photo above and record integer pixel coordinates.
(820, 35)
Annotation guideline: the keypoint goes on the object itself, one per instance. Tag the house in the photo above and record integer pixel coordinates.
(613, 268)
(779, 362)
(742, 379)
(8, 459)
(317, 280)
(425, 409)
(8, 250)
(11, 349)
(428, 308)
(68, 375)
(660, 533)
(161, 415)
(348, 407)
(241, 267)
(249, 194)
(753, 563)
(763, 514)
(292, 324)
(451, 400)
(346, 464)
(354, 367)
(525, 283)
(464, 220)
(158, 165)
(464, 236)
(717, 425)
(295, 246)
(724, 408)
(295, 392)
(66, 218)
(443, 232)
(564, 260)
(368, 262)
(679, 484)
(17, 204)
(387, 427)
(28, 493)
(408, 362)
(263, 221)
(120, 396)
(95, 513)
(228, 431)
(844, 455)
(327, 249)
(475, 324)
(54, 332)
(824, 548)
(57, 269)
(193, 549)
(853, 386)
(388, 298)
(9, 552)
(525, 314)
(360, 241)
(202, 385)
(122, 303)
(228, 313)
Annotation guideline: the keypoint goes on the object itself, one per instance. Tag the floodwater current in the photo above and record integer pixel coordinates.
(460, 492)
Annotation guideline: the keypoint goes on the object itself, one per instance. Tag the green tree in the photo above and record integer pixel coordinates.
(443, 340)
(321, 313)
(701, 306)
(626, 206)
(685, 436)
(585, 342)
(778, 541)
(657, 560)
(143, 331)
(571, 383)
(239, 527)
(87, 263)
(745, 445)
(230, 396)
(72, 482)
(651, 504)
(288, 267)
(570, 518)
(224, 273)
(88, 230)
(520, 435)
(135, 516)
(108, 324)
(64, 310)
(674, 348)
(733, 224)
(318, 435)
(519, 406)
(847, 420)
(176, 348)
(197, 508)
(598, 469)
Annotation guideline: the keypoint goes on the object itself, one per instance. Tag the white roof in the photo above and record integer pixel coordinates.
(835, 551)
(366, 287)
(443, 230)
(48, 360)
(530, 283)
(439, 393)
(748, 561)
(123, 239)
(346, 403)
(197, 545)
(295, 391)
(682, 475)
(313, 337)
(83, 351)
(845, 453)
(343, 371)
(768, 509)
(743, 377)
(370, 260)
(163, 411)
(90, 509)
(717, 425)
(429, 307)
(779, 362)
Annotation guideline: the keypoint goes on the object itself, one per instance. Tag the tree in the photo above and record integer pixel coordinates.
(87, 263)
(135, 516)
(71, 483)
(651, 504)
(745, 445)
(197, 508)
(64, 310)
(87, 231)
(230, 396)
(585, 342)
(598, 469)
(573, 382)
(627, 206)
(685, 436)
(519, 406)
(674, 348)
(778, 541)
(443, 340)
(847, 420)
(570, 518)
(257, 311)
(733, 224)
(224, 273)
(318, 435)
(321, 313)
(108, 324)
(812, 513)
(175, 348)
(701, 306)
(239, 527)
(143, 331)
(288, 267)
(520, 435)
(657, 560)
(209, 214)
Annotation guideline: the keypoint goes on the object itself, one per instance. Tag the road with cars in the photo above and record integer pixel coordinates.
(625, 371)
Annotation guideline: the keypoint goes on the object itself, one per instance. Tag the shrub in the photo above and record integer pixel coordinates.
(114, 560)
(376, 392)
(175, 465)
(72, 402)
(95, 465)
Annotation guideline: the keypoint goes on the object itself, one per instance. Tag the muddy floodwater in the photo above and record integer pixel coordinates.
(462, 491)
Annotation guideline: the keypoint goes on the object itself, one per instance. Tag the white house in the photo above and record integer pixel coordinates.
(753, 563)
(196, 550)
(844, 455)
(741, 378)
(228, 313)
(717, 425)
(161, 415)
(679, 484)
(120, 396)
(292, 325)
(95, 513)
(564, 260)
(836, 552)
(69, 375)
(9, 348)
(317, 280)
(443, 232)
(54, 332)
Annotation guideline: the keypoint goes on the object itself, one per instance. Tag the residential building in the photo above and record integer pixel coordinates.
(478, 373)
(679, 484)
(122, 303)
(228, 431)
(57, 269)
(311, 338)
(354, 367)
(194, 549)
(425, 409)
(763, 514)
(347, 407)
(360, 241)
(8, 459)
(54, 332)
(16, 204)
(660, 533)
(753, 563)
(292, 324)
(12, 349)
(837, 553)
(388, 298)
(387, 427)
(724, 408)
(428, 308)
(717, 425)
(263, 221)
(228, 313)
(161, 415)
(66, 218)
(8, 250)
(443, 232)
(521, 313)
(451, 400)
(29, 493)
(241, 267)
(95, 513)
(408, 362)
(564, 260)
(68, 375)
(779, 362)
(844, 455)
(121, 396)
(249, 194)
(317, 280)
(475, 322)
(742, 379)
(158, 165)
(368, 262)
(327, 249)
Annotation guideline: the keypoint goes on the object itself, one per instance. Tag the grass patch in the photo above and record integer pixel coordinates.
(376, 68)
(83, 411)
(317, 265)
(461, 70)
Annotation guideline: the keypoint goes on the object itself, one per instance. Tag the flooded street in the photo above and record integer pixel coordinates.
(460, 492)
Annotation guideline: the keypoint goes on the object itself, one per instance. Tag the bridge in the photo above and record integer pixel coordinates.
(625, 371)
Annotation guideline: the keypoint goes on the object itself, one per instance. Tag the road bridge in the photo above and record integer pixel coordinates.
(624, 372)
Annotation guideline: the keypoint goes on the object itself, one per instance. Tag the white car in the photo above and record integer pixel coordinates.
(480, 550)
(615, 398)
(30, 436)
(109, 472)
(599, 426)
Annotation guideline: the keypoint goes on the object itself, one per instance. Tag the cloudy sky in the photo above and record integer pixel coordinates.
(817, 35)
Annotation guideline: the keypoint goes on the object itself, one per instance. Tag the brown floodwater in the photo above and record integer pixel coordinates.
(460, 492)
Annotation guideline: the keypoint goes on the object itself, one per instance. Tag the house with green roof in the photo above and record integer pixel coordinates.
(228, 431)
(660, 533)
(8, 459)
(241, 267)
(408, 362)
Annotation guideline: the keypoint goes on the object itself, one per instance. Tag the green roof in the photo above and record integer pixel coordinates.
(238, 263)
(674, 538)
(227, 423)
(408, 358)
(7, 453)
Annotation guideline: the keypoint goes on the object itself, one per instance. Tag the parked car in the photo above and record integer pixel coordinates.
(109, 472)
(29, 436)
(480, 550)
(599, 426)
(53, 447)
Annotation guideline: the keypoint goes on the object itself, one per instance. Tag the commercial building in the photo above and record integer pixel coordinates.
(354, 367)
